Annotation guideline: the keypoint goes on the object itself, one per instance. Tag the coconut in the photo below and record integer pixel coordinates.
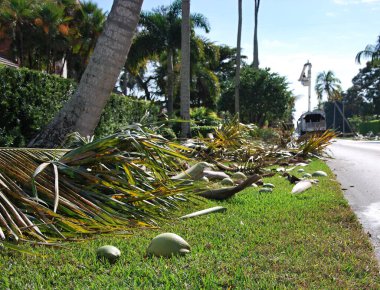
(212, 175)
(109, 253)
(205, 179)
(306, 175)
(227, 181)
(301, 170)
(301, 186)
(239, 176)
(265, 189)
(167, 245)
(319, 173)
(268, 185)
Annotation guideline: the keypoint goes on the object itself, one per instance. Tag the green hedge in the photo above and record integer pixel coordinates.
(30, 99)
(373, 126)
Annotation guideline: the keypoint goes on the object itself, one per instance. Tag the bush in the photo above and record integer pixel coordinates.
(121, 111)
(30, 99)
(366, 127)
(203, 130)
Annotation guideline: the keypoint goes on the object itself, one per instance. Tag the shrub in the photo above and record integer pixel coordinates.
(373, 126)
(30, 99)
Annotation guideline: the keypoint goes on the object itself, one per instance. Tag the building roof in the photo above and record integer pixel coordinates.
(8, 62)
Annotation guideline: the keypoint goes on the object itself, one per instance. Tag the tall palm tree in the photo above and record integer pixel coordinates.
(371, 52)
(82, 112)
(185, 69)
(160, 33)
(255, 41)
(328, 84)
(238, 59)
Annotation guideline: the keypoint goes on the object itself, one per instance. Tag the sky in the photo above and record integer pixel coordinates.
(328, 33)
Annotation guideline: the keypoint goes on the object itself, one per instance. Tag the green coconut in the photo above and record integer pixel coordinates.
(167, 245)
(109, 253)
(301, 170)
(319, 173)
(239, 176)
(265, 190)
(227, 181)
(268, 185)
(306, 175)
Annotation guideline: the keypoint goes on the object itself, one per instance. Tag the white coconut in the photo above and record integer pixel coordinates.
(109, 253)
(301, 186)
(167, 245)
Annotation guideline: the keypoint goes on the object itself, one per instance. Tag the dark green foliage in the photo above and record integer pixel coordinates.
(264, 97)
(202, 130)
(121, 111)
(370, 126)
(30, 99)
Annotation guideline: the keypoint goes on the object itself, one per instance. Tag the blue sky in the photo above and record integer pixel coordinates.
(328, 33)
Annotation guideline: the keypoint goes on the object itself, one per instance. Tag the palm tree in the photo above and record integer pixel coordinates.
(88, 22)
(238, 59)
(328, 84)
(185, 69)
(17, 18)
(255, 41)
(371, 51)
(82, 112)
(160, 33)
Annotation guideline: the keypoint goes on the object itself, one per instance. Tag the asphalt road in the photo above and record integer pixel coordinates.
(357, 166)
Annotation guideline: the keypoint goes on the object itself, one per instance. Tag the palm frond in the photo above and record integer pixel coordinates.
(111, 184)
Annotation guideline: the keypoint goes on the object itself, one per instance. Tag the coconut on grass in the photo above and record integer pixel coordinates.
(239, 176)
(227, 182)
(109, 253)
(319, 173)
(167, 245)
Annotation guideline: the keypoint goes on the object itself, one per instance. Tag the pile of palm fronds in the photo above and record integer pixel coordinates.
(315, 143)
(110, 184)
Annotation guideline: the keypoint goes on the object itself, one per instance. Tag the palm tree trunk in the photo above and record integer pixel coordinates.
(238, 59)
(170, 82)
(255, 42)
(185, 69)
(82, 112)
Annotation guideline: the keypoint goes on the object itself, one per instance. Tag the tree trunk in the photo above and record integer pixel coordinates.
(170, 83)
(82, 112)
(185, 69)
(238, 59)
(255, 42)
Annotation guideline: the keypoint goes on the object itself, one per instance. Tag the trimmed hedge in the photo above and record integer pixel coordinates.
(30, 99)
(366, 127)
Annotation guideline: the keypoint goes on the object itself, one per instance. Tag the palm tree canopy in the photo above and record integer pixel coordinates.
(371, 52)
(328, 84)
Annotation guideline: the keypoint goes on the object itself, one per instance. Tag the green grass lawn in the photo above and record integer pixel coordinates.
(275, 240)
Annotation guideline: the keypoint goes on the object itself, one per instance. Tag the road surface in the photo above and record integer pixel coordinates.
(357, 166)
